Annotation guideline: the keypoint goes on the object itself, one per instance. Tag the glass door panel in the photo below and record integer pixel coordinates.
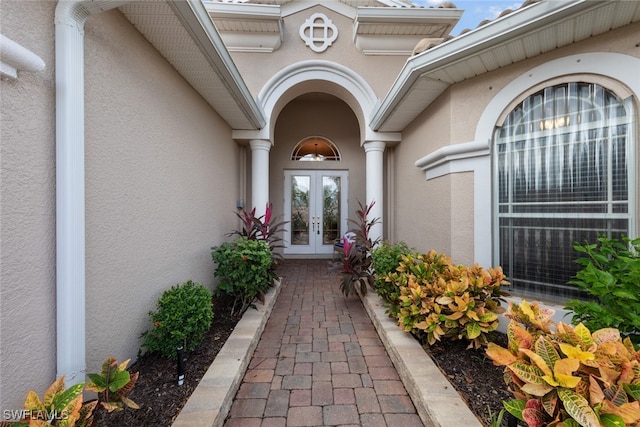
(300, 189)
(330, 209)
(316, 208)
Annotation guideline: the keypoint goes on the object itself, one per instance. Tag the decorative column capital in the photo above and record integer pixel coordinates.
(260, 144)
(374, 146)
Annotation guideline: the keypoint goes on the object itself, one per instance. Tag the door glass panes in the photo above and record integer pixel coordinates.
(316, 208)
(330, 209)
(300, 189)
(562, 176)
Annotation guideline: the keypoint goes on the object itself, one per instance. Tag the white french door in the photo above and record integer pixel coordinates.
(316, 208)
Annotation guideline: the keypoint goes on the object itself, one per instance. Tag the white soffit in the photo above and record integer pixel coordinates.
(247, 27)
(396, 31)
(430, 22)
(525, 33)
(183, 33)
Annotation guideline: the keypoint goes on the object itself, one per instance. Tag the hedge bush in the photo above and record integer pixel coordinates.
(184, 313)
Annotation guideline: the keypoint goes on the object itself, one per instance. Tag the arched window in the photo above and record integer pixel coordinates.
(315, 148)
(562, 174)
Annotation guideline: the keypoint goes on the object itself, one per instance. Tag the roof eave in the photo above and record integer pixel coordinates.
(480, 40)
(197, 22)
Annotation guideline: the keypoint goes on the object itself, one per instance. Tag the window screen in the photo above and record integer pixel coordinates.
(562, 173)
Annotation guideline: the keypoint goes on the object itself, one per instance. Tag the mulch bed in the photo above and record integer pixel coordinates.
(157, 391)
(160, 398)
(473, 375)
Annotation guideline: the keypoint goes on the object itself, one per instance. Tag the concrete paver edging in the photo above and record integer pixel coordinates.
(211, 401)
(438, 404)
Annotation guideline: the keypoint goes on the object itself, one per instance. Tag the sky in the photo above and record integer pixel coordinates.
(475, 11)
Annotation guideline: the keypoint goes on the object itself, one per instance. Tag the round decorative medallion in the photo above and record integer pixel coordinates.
(318, 32)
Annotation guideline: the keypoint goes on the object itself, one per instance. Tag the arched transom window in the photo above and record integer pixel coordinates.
(562, 174)
(315, 148)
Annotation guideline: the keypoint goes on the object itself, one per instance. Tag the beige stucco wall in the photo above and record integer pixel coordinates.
(27, 210)
(161, 184)
(452, 119)
(423, 208)
(378, 71)
(332, 119)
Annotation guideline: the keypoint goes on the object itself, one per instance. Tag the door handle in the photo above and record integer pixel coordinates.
(315, 220)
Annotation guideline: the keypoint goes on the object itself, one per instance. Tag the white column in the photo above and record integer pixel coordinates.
(374, 187)
(259, 174)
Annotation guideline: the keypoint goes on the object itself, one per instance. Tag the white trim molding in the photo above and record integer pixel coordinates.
(15, 57)
(442, 161)
(317, 75)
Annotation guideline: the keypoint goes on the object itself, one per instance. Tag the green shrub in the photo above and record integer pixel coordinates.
(441, 300)
(562, 375)
(266, 227)
(611, 276)
(244, 268)
(183, 315)
(386, 259)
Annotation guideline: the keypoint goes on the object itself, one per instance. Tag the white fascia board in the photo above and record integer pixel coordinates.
(502, 30)
(393, 15)
(198, 24)
(263, 12)
(387, 45)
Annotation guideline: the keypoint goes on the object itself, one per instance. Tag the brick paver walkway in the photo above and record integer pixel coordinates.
(319, 361)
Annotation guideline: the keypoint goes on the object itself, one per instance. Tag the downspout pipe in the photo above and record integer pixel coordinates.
(70, 249)
(70, 17)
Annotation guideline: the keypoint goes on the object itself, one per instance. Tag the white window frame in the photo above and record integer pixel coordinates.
(549, 127)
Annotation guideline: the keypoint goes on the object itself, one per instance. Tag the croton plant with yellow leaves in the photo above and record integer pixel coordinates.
(567, 376)
(439, 299)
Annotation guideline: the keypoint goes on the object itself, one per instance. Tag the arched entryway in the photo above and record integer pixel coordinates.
(317, 189)
(317, 98)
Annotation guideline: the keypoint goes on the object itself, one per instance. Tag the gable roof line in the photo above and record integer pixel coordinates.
(425, 65)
